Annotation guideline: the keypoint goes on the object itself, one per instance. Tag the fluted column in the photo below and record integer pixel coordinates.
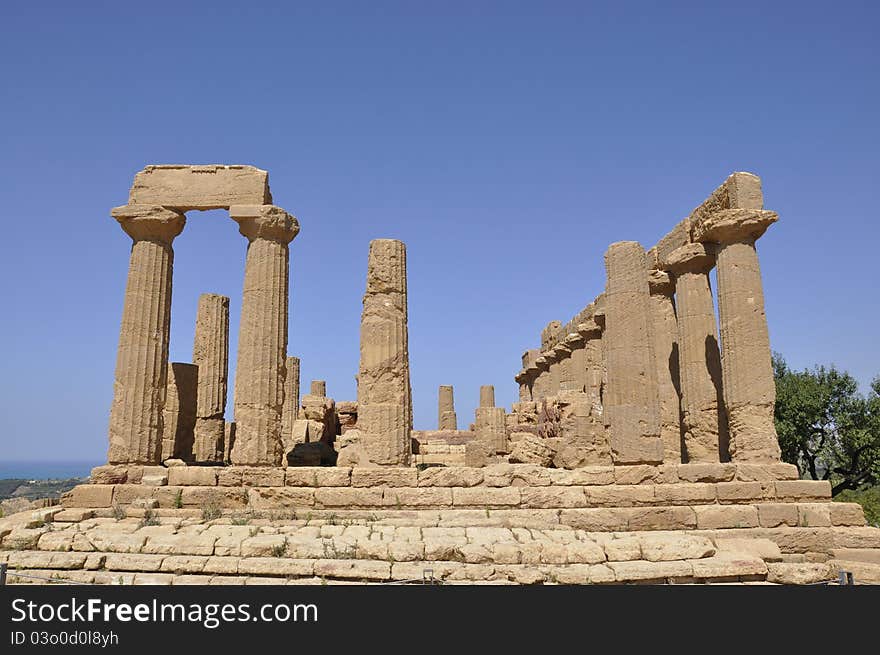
(211, 355)
(446, 419)
(262, 334)
(747, 371)
(631, 408)
(142, 357)
(179, 413)
(384, 396)
(666, 355)
(489, 421)
(291, 398)
(593, 365)
(702, 401)
(541, 388)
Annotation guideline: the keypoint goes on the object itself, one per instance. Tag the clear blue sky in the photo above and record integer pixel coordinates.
(506, 143)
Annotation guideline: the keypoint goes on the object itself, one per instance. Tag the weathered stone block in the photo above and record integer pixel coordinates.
(694, 493)
(814, 515)
(417, 496)
(185, 188)
(442, 476)
(485, 497)
(728, 566)
(552, 497)
(706, 472)
(90, 495)
(840, 513)
(743, 492)
(192, 476)
(383, 477)
(772, 515)
(281, 497)
(803, 489)
(782, 573)
(710, 517)
(595, 519)
(669, 547)
(635, 474)
(619, 495)
(262, 476)
(661, 518)
(348, 497)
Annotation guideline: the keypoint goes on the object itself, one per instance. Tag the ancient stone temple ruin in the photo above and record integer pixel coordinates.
(642, 447)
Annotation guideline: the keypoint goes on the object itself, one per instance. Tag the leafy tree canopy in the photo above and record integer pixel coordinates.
(826, 427)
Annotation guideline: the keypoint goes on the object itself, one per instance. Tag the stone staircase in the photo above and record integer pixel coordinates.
(503, 524)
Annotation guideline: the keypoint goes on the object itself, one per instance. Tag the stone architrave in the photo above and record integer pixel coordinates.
(631, 407)
(747, 372)
(211, 355)
(142, 358)
(384, 405)
(666, 353)
(290, 412)
(262, 336)
(183, 188)
(446, 419)
(179, 413)
(703, 422)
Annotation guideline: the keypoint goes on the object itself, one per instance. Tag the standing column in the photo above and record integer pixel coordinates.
(593, 366)
(631, 408)
(291, 399)
(142, 358)
(384, 406)
(262, 334)
(702, 401)
(446, 419)
(490, 424)
(541, 387)
(574, 378)
(211, 355)
(666, 355)
(749, 387)
(179, 413)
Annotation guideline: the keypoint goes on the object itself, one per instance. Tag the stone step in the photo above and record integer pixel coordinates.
(863, 572)
(459, 497)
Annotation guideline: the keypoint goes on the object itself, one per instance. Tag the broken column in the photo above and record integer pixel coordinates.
(666, 352)
(446, 419)
(211, 355)
(262, 337)
(631, 407)
(291, 400)
(142, 358)
(702, 404)
(490, 424)
(318, 388)
(384, 414)
(179, 413)
(747, 372)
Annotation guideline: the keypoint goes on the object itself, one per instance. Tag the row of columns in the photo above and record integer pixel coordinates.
(668, 391)
(140, 384)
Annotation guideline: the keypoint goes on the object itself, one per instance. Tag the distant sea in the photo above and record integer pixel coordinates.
(43, 470)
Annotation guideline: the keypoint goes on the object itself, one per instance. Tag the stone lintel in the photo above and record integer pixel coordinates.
(214, 186)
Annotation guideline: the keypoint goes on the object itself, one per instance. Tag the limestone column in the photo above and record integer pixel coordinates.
(142, 358)
(747, 372)
(318, 388)
(632, 406)
(666, 352)
(211, 355)
(490, 422)
(487, 396)
(291, 398)
(541, 388)
(384, 406)
(703, 423)
(179, 413)
(262, 334)
(446, 419)
(592, 366)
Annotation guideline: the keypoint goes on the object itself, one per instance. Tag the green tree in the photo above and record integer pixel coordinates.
(826, 427)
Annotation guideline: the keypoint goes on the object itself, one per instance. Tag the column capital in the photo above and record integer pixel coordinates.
(265, 222)
(660, 283)
(542, 363)
(733, 225)
(691, 258)
(149, 222)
